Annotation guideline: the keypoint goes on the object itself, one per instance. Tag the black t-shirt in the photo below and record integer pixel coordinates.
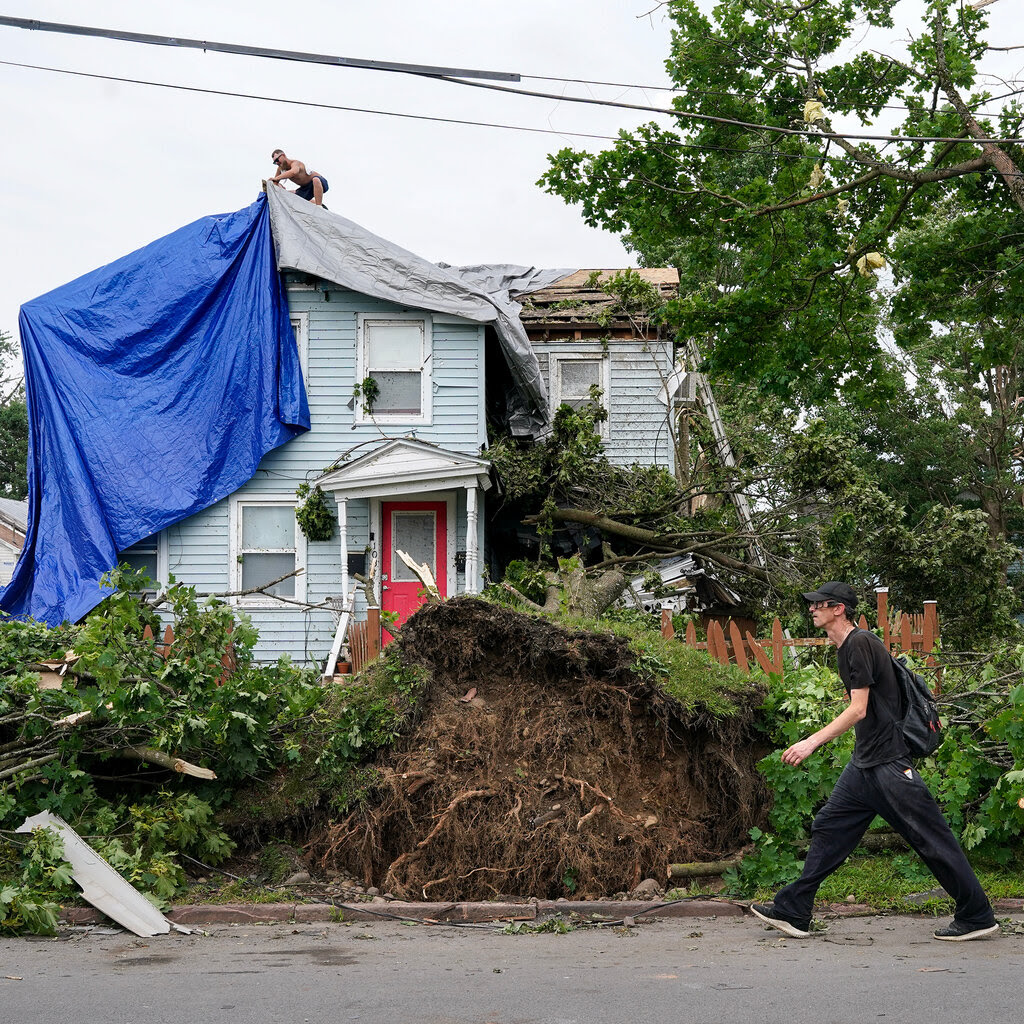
(864, 661)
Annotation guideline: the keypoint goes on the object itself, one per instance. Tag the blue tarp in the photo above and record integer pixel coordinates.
(155, 385)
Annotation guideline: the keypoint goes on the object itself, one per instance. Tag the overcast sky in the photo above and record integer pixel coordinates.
(97, 169)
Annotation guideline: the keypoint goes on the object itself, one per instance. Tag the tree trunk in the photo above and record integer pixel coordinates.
(581, 595)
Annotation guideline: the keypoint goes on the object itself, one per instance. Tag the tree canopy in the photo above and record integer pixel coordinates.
(846, 212)
(796, 161)
(13, 424)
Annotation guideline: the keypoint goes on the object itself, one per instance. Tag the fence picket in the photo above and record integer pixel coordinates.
(906, 640)
(761, 655)
(667, 629)
(908, 631)
(738, 653)
(716, 643)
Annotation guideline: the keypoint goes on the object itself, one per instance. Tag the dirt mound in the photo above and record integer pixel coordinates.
(566, 773)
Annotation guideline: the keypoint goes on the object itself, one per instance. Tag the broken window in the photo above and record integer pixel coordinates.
(574, 379)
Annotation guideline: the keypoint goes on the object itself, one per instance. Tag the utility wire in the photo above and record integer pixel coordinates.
(728, 121)
(473, 78)
(666, 143)
(702, 147)
(591, 81)
(251, 51)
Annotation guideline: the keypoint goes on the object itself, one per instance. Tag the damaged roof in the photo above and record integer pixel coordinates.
(578, 307)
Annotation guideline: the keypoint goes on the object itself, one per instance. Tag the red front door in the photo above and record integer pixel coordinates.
(420, 529)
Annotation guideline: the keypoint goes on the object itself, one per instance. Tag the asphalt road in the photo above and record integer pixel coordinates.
(698, 970)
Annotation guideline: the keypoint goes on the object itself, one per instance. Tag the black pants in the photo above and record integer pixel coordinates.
(898, 794)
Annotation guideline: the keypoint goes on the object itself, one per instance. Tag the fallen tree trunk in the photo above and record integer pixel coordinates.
(670, 544)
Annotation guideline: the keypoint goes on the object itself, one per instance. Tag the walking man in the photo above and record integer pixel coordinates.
(879, 779)
(311, 185)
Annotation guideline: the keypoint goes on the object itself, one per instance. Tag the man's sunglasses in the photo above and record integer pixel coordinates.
(824, 604)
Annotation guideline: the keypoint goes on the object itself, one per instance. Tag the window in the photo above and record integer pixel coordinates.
(300, 325)
(268, 546)
(146, 556)
(395, 354)
(573, 377)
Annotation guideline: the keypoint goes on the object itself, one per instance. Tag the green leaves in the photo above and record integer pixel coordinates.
(315, 517)
(34, 874)
(767, 269)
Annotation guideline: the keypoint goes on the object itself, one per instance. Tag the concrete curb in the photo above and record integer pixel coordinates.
(466, 913)
(426, 913)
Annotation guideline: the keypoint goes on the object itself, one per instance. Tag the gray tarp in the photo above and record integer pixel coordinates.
(316, 241)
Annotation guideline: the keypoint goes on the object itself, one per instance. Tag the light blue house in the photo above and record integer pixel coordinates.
(408, 471)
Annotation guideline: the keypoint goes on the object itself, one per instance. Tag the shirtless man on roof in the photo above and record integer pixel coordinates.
(311, 185)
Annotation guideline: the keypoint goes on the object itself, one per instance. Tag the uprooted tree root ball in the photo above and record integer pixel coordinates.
(569, 771)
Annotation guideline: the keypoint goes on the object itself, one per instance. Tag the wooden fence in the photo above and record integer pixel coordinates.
(729, 644)
(364, 640)
(228, 661)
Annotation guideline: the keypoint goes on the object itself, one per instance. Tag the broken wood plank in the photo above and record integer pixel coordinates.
(423, 574)
(667, 629)
(762, 657)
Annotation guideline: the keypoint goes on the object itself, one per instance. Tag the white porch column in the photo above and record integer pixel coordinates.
(343, 534)
(472, 558)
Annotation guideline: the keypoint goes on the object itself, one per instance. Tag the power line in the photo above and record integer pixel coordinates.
(701, 147)
(252, 51)
(728, 121)
(612, 85)
(666, 143)
(295, 55)
(473, 78)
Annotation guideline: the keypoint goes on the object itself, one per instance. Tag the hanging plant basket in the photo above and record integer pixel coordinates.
(315, 517)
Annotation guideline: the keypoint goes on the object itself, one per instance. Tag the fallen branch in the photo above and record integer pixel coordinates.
(703, 868)
(522, 598)
(162, 596)
(77, 718)
(424, 575)
(667, 544)
(158, 757)
(7, 773)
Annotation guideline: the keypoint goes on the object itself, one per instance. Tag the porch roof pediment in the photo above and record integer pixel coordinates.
(406, 466)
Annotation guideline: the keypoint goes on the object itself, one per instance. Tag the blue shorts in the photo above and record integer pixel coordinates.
(306, 191)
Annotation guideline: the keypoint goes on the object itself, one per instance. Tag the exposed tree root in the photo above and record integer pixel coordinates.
(568, 774)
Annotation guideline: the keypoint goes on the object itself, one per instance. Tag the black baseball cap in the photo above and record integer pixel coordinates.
(842, 593)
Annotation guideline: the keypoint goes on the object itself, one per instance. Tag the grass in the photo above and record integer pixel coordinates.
(885, 882)
(691, 678)
(235, 892)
